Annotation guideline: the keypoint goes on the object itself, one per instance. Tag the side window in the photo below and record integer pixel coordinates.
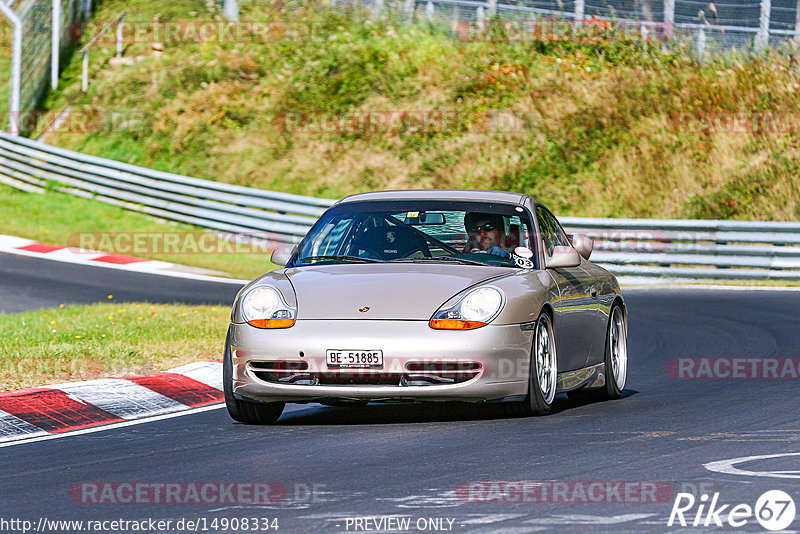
(329, 239)
(552, 234)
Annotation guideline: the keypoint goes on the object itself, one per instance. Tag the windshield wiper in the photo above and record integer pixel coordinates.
(437, 259)
(341, 258)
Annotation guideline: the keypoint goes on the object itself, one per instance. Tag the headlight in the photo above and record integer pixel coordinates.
(476, 309)
(264, 307)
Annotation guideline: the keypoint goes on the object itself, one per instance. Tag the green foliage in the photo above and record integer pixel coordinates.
(594, 120)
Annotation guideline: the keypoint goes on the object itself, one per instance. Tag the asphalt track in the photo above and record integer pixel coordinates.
(28, 283)
(409, 461)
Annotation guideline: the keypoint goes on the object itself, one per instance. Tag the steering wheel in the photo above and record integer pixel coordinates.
(369, 253)
(426, 253)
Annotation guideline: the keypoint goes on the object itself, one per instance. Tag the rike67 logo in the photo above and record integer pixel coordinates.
(774, 510)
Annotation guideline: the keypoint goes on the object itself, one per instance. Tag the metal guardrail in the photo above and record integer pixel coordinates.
(647, 248)
(282, 217)
(694, 249)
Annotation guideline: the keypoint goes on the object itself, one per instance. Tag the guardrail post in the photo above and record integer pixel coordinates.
(700, 45)
(797, 23)
(480, 18)
(231, 10)
(429, 10)
(85, 49)
(55, 44)
(85, 73)
(579, 12)
(409, 9)
(669, 15)
(491, 9)
(120, 30)
(762, 37)
(376, 13)
(16, 64)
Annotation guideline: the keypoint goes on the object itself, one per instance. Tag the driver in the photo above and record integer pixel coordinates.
(486, 233)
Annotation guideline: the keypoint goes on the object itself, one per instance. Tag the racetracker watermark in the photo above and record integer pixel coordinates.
(181, 31)
(75, 121)
(138, 243)
(226, 492)
(565, 491)
(645, 241)
(738, 122)
(395, 122)
(591, 29)
(733, 368)
(177, 492)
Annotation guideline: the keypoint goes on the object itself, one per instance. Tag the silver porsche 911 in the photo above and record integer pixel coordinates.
(476, 296)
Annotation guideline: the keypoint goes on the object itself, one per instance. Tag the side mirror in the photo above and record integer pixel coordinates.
(563, 257)
(282, 254)
(583, 244)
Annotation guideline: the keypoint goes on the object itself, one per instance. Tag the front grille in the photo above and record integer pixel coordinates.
(432, 373)
(422, 373)
(358, 379)
(281, 372)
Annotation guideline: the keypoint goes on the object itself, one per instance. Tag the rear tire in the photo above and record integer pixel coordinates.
(254, 413)
(543, 375)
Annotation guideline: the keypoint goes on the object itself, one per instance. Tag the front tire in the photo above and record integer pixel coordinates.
(543, 376)
(615, 360)
(616, 357)
(254, 413)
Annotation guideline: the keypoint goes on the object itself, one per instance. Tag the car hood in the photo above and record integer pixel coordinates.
(391, 291)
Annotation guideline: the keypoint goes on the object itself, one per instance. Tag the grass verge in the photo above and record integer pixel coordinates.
(85, 342)
(60, 219)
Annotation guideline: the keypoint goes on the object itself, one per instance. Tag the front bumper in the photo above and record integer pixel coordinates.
(500, 356)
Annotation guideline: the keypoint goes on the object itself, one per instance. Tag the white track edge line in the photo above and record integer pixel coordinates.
(112, 426)
(710, 286)
(105, 265)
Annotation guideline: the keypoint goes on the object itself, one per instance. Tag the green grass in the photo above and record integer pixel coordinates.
(60, 219)
(84, 342)
(603, 126)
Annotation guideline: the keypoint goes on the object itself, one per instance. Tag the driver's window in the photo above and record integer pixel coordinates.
(552, 234)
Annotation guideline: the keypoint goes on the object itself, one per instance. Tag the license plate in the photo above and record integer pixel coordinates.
(355, 359)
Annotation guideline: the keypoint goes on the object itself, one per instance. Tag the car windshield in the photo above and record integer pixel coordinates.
(469, 233)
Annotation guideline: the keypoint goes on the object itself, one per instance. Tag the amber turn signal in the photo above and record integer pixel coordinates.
(452, 324)
(271, 323)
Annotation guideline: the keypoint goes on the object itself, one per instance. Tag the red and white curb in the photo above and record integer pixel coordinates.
(29, 247)
(35, 412)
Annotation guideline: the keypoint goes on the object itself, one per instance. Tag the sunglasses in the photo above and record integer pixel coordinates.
(487, 227)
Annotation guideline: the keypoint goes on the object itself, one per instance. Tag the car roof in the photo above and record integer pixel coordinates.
(440, 194)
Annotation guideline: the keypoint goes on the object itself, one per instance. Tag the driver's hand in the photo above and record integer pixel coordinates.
(497, 251)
